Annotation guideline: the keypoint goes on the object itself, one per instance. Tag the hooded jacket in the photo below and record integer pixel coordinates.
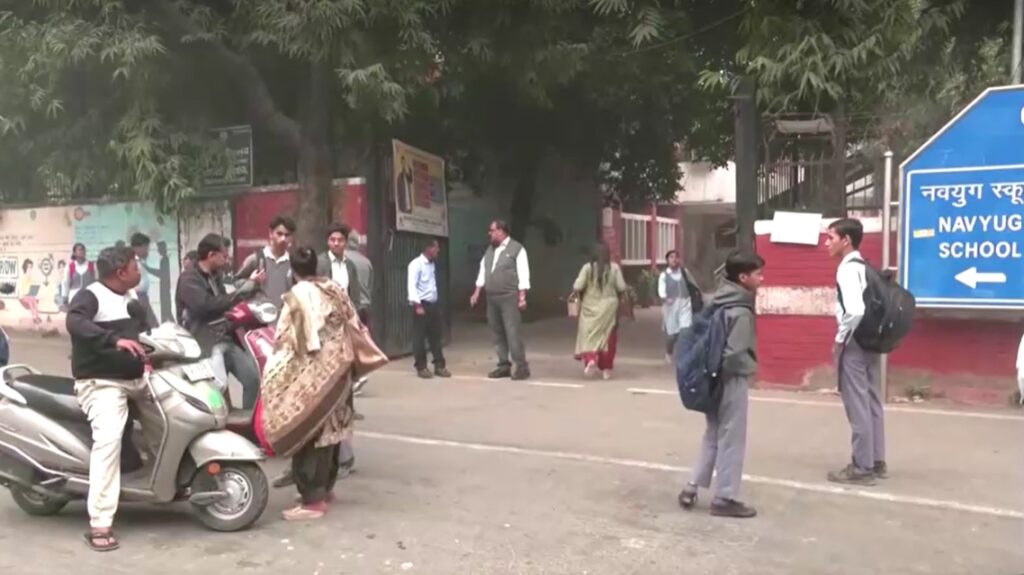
(740, 356)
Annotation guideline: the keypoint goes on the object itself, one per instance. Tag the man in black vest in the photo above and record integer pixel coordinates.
(505, 275)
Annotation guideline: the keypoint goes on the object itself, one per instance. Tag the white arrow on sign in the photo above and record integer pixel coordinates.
(971, 277)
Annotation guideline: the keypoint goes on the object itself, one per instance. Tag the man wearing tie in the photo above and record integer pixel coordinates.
(505, 275)
(426, 320)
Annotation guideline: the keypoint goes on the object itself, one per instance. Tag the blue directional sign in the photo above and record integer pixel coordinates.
(962, 208)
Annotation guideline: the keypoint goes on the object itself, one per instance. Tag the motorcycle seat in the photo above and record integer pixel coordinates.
(51, 395)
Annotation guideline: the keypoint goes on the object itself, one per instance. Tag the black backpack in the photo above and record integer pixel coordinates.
(888, 311)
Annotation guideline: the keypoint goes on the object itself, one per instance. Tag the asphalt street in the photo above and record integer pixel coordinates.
(568, 475)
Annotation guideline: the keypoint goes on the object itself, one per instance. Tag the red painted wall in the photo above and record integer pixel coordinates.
(789, 346)
(253, 212)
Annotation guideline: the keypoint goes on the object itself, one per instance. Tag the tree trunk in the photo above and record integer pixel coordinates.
(521, 209)
(315, 161)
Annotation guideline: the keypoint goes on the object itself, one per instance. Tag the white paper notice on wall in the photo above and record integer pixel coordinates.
(796, 228)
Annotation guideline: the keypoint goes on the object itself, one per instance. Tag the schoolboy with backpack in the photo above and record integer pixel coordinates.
(873, 314)
(716, 362)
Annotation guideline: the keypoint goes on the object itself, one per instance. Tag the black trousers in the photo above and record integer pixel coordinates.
(426, 330)
(315, 470)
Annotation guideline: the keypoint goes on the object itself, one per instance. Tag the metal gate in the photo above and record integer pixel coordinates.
(391, 252)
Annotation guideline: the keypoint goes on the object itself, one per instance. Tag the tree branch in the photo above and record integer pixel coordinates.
(254, 89)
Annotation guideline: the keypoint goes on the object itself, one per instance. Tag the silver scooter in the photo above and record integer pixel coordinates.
(45, 440)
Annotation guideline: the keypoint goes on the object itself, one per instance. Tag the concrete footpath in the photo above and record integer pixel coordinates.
(567, 475)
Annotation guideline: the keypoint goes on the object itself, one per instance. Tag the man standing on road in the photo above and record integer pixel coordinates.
(273, 259)
(107, 363)
(364, 270)
(336, 264)
(505, 276)
(859, 383)
(426, 319)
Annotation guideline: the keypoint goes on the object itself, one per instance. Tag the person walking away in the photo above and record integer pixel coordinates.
(308, 384)
(81, 273)
(107, 362)
(724, 445)
(680, 300)
(505, 276)
(421, 283)
(273, 259)
(599, 286)
(140, 245)
(858, 369)
(203, 300)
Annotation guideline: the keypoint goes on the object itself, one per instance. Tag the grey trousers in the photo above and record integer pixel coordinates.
(725, 442)
(860, 388)
(505, 319)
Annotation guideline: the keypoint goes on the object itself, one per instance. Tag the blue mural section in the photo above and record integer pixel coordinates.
(100, 226)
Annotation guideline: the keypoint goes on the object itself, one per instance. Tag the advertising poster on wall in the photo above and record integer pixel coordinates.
(421, 200)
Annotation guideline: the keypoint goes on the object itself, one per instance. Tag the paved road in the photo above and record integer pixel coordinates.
(571, 476)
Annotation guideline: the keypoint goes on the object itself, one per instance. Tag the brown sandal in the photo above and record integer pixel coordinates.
(93, 537)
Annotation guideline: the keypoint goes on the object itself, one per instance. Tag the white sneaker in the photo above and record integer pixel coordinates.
(589, 369)
(357, 389)
(606, 374)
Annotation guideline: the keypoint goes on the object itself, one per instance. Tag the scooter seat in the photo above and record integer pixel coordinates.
(51, 395)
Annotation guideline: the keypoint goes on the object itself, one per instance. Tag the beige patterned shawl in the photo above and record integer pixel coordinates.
(307, 387)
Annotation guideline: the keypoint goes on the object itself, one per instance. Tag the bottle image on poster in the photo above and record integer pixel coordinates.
(404, 187)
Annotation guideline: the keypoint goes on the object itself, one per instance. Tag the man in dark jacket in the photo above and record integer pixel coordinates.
(104, 322)
(203, 300)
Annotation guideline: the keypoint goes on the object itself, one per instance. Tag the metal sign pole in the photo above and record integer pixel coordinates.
(887, 205)
(1018, 39)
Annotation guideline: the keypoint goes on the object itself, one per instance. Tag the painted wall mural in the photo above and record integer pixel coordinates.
(35, 252)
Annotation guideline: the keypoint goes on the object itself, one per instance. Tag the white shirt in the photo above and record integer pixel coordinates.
(422, 281)
(851, 278)
(677, 275)
(339, 271)
(522, 266)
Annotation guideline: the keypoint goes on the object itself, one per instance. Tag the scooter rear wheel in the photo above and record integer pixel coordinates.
(38, 504)
(248, 493)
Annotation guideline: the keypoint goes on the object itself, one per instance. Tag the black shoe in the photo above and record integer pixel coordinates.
(424, 374)
(500, 373)
(688, 497)
(521, 375)
(286, 479)
(442, 372)
(881, 470)
(732, 508)
(849, 475)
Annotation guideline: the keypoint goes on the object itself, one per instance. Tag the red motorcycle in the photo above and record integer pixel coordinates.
(252, 323)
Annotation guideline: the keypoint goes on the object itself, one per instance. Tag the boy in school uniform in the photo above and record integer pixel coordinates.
(725, 438)
(859, 382)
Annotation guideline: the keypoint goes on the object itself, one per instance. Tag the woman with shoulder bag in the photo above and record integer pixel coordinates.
(598, 287)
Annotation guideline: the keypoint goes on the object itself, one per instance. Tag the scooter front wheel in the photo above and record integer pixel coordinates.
(38, 504)
(247, 494)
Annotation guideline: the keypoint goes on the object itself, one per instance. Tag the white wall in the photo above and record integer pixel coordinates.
(701, 183)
